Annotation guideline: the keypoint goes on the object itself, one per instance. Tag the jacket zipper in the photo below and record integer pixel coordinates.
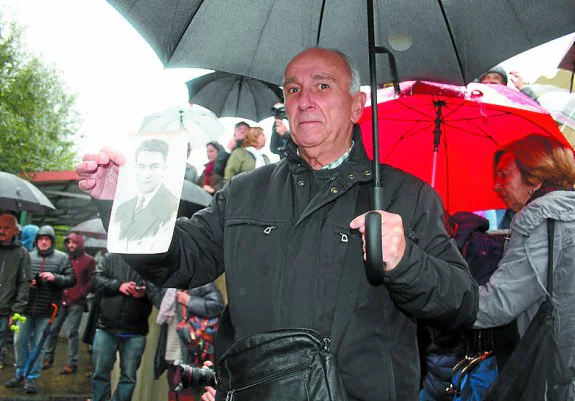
(293, 371)
(37, 288)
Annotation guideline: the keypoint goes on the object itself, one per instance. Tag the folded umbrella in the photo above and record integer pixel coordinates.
(35, 353)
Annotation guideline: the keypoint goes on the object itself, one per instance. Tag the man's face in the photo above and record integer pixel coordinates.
(240, 132)
(509, 183)
(320, 109)
(7, 229)
(44, 243)
(71, 245)
(150, 168)
(492, 78)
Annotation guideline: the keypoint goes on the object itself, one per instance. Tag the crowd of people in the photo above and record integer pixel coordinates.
(286, 234)
(43, 288)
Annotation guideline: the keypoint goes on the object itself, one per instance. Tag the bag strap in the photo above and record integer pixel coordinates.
(350, 279)
(184, 312)
(550, 238)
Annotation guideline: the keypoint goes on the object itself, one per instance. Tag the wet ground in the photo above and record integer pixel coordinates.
(51, 386)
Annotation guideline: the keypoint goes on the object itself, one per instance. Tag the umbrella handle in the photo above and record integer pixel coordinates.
(54, 313)
(373, 250)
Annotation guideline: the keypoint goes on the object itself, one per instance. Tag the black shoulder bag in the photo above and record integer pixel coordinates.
(535, 370)
(288, 364)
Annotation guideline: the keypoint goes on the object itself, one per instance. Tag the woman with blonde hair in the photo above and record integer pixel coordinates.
(535, 177)
(249, 156)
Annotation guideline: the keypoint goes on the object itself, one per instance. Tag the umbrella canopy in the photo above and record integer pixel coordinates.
(194, 194)
(447, 135)
(202, 125)
(19, 195)
(446, 41)
(232, 95)
(193, 199)
(561, 105)
(93, 228)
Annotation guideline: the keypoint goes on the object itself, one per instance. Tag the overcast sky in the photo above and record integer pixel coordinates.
(117, 77)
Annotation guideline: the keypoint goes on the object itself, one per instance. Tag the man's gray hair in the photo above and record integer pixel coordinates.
(354, 83)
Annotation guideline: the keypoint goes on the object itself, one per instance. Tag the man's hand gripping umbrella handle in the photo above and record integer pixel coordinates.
(373, 249)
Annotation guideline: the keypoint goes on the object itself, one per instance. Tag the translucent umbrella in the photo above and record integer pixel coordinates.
(202, 125)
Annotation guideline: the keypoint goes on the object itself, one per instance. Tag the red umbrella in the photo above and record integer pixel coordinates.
(447, 135)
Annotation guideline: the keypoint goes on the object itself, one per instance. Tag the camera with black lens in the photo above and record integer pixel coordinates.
(279, 111)
(191, 376)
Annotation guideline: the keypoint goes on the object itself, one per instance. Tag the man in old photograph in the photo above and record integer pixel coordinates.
(148, 214)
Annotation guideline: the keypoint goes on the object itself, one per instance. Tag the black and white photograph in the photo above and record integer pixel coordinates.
(148, 194)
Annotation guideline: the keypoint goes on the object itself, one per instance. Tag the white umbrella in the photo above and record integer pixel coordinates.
(202, 125)
(561, 105)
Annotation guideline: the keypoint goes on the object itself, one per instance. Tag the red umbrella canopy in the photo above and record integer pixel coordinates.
(447, 135)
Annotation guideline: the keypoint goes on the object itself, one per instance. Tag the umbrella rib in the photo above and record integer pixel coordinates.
(240, 85)
(485, 133)
(192, 16)
(450, 112)
(413, 133)
(451, 38)
(415, 110)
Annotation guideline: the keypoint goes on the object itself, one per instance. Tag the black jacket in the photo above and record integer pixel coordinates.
(118, 312)
(283, 241)
(15, 276)
(45, 293)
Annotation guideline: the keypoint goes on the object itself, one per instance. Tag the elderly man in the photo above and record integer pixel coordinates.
(14, 276)
(289, 231)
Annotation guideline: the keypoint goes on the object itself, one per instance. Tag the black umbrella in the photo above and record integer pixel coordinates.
(18, 194)
(445, 41)
(451, 41)
(193, 199)
(568, 63)
(232, 95)
(93, 228)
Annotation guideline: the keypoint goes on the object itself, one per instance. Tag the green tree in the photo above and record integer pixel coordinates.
(37, 120)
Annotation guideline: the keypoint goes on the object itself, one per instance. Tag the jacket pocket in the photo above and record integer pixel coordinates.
(250, 243)
(291, 381)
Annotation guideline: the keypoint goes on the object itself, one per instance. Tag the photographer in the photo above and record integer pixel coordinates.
(177, 308)
(280, 132)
